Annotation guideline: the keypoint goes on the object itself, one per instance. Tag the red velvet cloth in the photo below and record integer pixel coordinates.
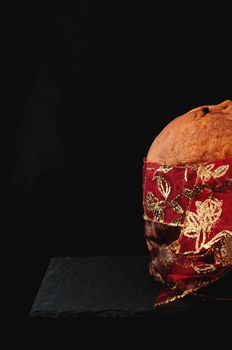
(196, 200)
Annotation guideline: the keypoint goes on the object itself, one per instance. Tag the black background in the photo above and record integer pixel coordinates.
(90, 85)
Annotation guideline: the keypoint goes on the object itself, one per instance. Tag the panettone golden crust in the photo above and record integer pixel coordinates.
(202, 134)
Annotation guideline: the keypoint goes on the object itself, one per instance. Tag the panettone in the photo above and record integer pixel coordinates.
(202, 134)
(187, 196)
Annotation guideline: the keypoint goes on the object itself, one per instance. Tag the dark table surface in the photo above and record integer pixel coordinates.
(61, 311)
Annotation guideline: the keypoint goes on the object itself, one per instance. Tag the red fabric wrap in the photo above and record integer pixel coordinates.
(195, 202)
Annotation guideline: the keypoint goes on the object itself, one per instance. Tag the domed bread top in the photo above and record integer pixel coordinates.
(202, 134)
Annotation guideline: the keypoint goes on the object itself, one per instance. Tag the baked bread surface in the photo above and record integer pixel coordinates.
(202, 134)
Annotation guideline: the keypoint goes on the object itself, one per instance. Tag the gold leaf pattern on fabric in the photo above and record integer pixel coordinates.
(164, 168)
(175, 246)
(191, 198)
(177, 222)
(188, 192)
(223, 254)
(163, 186)
(200, 223)
(204, 269)
(153, 204)
(157, 207)
(217, 237)
(206, 172)
(177, 207)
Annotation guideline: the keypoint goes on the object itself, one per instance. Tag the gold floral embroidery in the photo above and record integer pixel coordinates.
(197, 225)
(176, 206)
(153, 204)
(223, 254)
(175, 246)
(217, 237)
(200, 223)
(206, 172)
(164, 168)
(188, 192)
(163, 186)
(177, 222)
(204, 269)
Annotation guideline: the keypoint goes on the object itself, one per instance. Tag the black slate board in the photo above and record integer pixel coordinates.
(112, 286)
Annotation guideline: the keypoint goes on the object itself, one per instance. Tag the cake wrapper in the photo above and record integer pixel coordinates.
(188, 224)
